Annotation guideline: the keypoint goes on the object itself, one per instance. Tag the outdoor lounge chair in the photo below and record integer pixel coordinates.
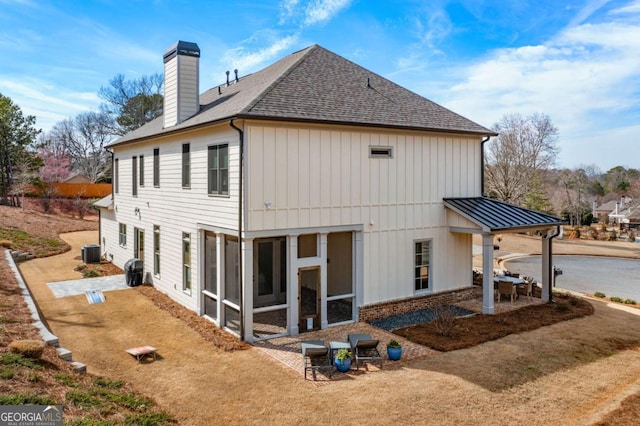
(364, 349)
(508, 289)
(315, 357)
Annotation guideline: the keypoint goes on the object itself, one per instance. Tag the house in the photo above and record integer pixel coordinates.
(309, 194)
(76, 178)
(608, 212)
(626, 214)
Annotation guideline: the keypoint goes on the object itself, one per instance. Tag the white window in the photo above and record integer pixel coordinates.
(156, 250)
(422, 264)
(186, 261)
(218, 165)
(122, 231)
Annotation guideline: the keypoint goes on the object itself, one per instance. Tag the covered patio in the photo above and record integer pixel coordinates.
(488, 217)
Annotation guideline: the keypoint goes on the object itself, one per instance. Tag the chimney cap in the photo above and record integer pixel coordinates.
(183, 48)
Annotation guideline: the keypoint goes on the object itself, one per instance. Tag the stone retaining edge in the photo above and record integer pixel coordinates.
(48, 337)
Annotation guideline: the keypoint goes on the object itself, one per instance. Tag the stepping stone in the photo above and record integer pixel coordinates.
(64, 353)
(79, 367)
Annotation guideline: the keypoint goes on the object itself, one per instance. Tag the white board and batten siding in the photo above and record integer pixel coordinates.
(174, 208)
(310, 176)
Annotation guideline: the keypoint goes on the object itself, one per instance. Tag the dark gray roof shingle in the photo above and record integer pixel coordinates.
(494, 215)
(316, 85)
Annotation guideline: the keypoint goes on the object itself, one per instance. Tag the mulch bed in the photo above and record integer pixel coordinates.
(459, 333)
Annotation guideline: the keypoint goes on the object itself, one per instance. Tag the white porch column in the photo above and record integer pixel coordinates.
(292, 284)
(247, 281)
(323, 281)
(546, 267)
(487, 274)
(220, 277)
(359, 273)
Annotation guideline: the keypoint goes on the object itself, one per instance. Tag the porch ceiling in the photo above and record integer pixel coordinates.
(495, 216)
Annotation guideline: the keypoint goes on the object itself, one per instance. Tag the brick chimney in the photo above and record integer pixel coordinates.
(181, 82)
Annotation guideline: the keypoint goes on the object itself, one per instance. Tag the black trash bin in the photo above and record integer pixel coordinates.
(133, 271)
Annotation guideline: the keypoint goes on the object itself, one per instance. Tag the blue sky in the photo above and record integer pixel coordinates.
(577, 61)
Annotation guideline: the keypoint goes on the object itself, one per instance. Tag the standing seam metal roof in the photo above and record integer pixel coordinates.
(498, 216)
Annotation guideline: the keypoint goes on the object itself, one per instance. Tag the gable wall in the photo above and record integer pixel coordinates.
(317, 177)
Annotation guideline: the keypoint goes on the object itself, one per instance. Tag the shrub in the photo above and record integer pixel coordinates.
(616, 299)
(80, 267)
(629, 302)
(90, 273)
(28, 348)
(599, 294)
(445, 321)
(6, 244)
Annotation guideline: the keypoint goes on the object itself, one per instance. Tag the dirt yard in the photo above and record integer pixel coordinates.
(570, 373)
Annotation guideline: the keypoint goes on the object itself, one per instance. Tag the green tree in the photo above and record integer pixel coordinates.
(132, 103)
(17, 133)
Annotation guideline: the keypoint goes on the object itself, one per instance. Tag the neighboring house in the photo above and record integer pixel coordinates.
(309, 194)
(614, 211)
(76, 178)
(626, 214)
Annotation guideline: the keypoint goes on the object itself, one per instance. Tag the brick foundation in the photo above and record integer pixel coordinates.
(402, 306)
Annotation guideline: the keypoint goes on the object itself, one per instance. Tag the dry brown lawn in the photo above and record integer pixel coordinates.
(574, 372)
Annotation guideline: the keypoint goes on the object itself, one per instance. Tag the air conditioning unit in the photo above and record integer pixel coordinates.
(91, 253)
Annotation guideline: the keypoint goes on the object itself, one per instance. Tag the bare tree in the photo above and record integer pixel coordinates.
(132, 103)
(524, 148)
(83, 139)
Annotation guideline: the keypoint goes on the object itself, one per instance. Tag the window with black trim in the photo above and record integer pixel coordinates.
(156, 167)
(186, 165)
(141, 171)
(380, 151)
(134, 176)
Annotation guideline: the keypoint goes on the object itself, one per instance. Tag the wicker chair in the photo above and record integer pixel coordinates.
(506, 288)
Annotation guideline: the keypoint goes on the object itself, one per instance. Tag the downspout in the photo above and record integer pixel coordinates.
(240, 283)
(484, 140)
(551, 272)
(112, 199)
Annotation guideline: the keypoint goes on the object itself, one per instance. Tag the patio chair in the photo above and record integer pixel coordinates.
(530, 284)
(364, 349)
(315, 357)
(508, 289)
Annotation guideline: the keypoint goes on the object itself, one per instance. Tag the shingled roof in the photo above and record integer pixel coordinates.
(316, 85)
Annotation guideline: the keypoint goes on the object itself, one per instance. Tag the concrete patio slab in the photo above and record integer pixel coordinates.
(75, 287)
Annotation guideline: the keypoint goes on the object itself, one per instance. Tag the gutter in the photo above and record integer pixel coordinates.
(484, 140)
(240, 283)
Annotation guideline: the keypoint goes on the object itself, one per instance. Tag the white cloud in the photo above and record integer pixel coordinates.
(323, 10)
(585, 78)
(589, 9)
(246, 60)
(46, 102)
